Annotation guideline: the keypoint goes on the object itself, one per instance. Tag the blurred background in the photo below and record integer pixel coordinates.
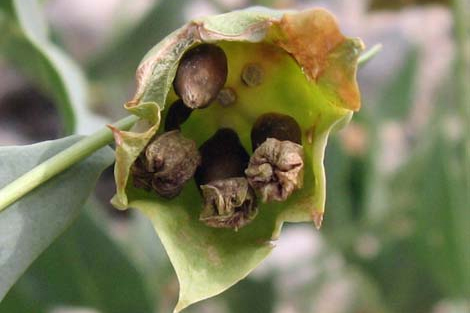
(396, 234)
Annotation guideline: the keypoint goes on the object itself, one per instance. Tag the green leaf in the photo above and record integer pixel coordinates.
(442, 217)
(378, 5)
(207, 260)
(397, 98)
(29, 225)
(309, 77)
(95, 266)
(25, 41)
(405, 284)
(252, 296)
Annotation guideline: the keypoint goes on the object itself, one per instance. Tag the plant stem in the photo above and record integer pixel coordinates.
(60, 162)
(460, 215)
(369, 54)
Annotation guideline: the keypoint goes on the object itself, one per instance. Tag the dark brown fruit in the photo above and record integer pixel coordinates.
(223, 156)
(177, 114)
(275, 125)
(201, 74)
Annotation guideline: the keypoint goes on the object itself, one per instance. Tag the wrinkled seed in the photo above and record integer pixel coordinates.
(165, 165)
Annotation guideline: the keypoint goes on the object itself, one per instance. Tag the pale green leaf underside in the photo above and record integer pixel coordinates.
(237, 23)
(29, 225)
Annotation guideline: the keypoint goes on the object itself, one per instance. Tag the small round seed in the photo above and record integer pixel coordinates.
(177, 114)
(227, 96)
(201, 74)
(252, 74)
(275, 125)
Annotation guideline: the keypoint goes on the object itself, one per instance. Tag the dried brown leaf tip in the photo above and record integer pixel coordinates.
(201, 74)
(166, 164)
(276, 166)
(229, 201)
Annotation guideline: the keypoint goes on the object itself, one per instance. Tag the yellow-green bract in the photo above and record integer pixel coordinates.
(309, 73)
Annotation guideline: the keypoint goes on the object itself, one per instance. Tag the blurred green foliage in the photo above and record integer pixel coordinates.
(83, 267)
(399, 4)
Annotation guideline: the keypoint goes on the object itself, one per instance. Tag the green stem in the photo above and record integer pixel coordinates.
(461, 218)
(369, 54)
(60, 162)
(463, 75)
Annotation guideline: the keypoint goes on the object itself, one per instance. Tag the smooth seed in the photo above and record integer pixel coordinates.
(200, 76)
(275, 125)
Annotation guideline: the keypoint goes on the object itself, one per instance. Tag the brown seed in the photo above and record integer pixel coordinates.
(166, 164)
(229, 201)
(223, 156)
(275, 125)
(227, 96)
(140, 177)
(201, 74)
(177, 114)
(276, 166)
(252, 74)
(276, 169)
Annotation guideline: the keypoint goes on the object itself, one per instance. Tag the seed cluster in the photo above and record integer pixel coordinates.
(228, 179)
(229, 201)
